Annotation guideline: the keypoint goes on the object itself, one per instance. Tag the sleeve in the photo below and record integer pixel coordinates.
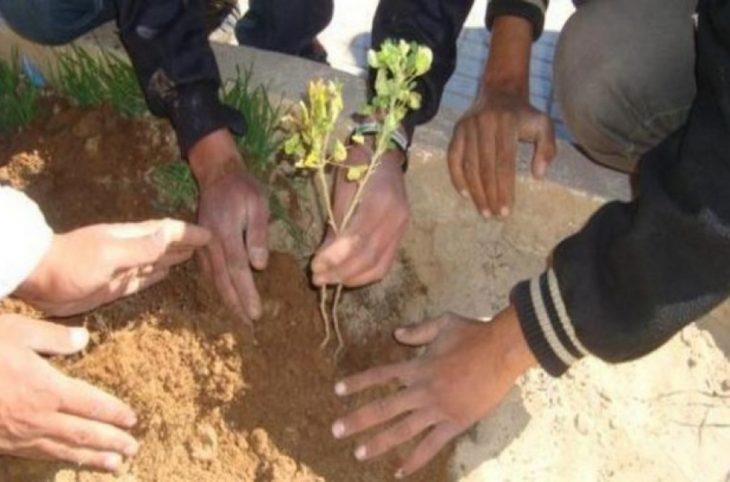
(639, 272)
(531, 10)
(434, 23)
(168, 44)
(25, 240)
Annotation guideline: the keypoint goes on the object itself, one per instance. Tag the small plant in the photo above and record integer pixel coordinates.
(397, 65)
(92, 80)
(18, 96)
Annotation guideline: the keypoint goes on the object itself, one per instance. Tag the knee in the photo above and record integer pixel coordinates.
(591, 89)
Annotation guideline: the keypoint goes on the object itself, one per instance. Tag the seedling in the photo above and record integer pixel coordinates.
(397, 65)
(18, 96)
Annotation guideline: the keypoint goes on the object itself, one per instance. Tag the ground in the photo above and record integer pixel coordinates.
(216, 405)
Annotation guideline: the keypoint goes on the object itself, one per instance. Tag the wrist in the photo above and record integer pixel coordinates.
(508, 66)
(214, 156)
(518, 356)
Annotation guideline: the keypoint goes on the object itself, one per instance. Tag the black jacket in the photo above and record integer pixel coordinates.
(167, 41)
(637, 272)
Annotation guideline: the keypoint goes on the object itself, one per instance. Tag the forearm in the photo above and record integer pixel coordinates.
(167, 42)
(508, 66)
(26, 238)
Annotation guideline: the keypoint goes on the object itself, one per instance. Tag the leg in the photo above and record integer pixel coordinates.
(287, 26)
(624, 75)
(55, 22)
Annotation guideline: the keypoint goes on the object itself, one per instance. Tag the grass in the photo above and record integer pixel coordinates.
(18, 96)
(175, 185)
(92, 80)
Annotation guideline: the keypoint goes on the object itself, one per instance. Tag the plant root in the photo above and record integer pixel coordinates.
(325, 316)
(336, 321)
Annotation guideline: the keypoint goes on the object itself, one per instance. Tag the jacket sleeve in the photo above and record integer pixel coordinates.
(24, 241)
(168, 44)
(639, 272)
(437, 24)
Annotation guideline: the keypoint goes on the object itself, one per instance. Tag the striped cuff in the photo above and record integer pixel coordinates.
(531, 10)
(546, 324)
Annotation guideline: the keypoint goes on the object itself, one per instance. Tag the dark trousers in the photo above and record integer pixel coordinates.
(286, 26)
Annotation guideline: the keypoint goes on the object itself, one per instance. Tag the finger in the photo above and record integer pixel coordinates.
(132, 282)
(378, 412)
(456, 162)
(488, 164)
(257, 229)
(175, 257)
(545, 147)
(472, 171)
(84, 400)
(399, 433)
(328, 259)
(90, 434)
(176, 232)
(381, 268)
(403, 372)
(427, 449)
(421, 333)
(505, 170)
(53, 450)
(240, 274)
(42, 336)
(151, 248)
(223, 281)
(203, 258)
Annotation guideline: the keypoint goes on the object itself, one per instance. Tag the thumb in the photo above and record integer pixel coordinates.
(421, 333)
(545, 147)
(42, 336)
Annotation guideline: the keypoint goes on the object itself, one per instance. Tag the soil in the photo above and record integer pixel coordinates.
(214, 405)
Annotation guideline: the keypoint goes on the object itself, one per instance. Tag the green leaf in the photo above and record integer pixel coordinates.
(356, 173)
(424, 59)
(340, 152)
(358, 139)
(373, 60)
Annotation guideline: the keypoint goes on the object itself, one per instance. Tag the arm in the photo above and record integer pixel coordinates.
(639, 272)
(25, 240)
(483, 148)
(167, 41)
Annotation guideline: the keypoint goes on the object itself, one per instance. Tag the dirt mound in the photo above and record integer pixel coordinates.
(213, 405)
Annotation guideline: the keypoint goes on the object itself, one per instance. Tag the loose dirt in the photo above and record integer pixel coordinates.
(213, 405)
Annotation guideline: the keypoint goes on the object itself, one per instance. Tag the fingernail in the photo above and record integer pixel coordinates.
(258, 256)
(464, 193)
(504, 212)
(338, 429)
(400, 332)
(486, 214)
(361, 452)
(130, 420)
(340, 389)
(399, 474)
(112, 462)
(131, 450)
(79, 338)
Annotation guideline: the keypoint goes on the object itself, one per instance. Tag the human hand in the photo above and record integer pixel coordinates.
(46, 415)
(467, 370)
(483, 149)
(95, 265)
(365, 251)
(231, 203)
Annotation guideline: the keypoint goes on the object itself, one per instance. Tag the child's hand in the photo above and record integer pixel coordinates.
(365, 251)
(95, 265)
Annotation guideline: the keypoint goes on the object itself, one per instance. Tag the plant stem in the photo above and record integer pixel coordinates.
(325, 316)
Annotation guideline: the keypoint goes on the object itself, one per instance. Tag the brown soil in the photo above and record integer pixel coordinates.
(213, 406)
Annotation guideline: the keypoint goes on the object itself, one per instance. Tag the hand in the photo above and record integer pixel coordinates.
(468, 368)
(365, 251)
(97, 264)
(231, 203)
(483, 149)
(46, 415)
